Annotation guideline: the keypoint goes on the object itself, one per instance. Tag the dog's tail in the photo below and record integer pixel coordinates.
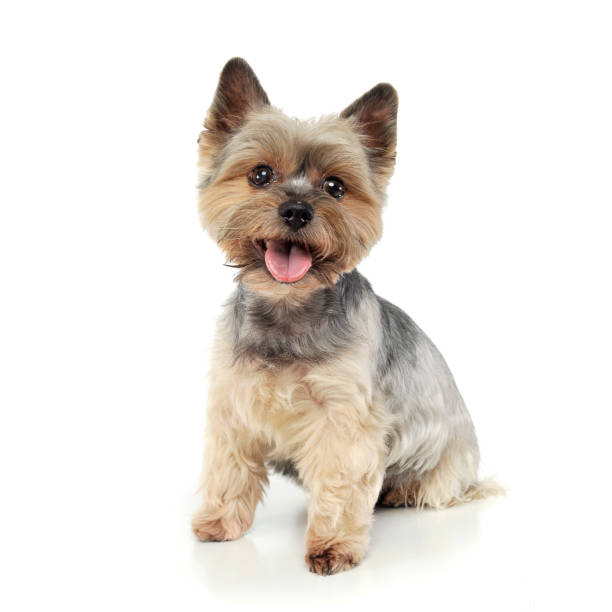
(428, 496)
(487, 487)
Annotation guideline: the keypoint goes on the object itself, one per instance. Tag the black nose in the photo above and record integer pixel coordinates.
(296, 214)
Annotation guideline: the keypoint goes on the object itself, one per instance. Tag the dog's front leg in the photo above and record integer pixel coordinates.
(343, 470)
(233, 477)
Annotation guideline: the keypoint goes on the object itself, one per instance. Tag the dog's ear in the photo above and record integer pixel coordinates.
(374, 117)
(238, 93)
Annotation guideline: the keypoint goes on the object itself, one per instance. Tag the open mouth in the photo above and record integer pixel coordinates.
(286, 261)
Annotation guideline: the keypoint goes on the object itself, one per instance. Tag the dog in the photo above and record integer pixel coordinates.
(314, 375)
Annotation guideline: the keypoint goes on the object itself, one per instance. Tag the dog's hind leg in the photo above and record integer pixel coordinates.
(452, 481)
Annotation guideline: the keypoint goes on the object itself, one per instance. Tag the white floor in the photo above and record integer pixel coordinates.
(415, 558)
(498, 554)
(115, 536)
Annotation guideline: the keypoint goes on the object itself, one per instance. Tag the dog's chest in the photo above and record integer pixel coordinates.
(274, 402)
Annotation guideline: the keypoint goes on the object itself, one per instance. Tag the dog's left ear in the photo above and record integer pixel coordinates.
(238, 93)
(374, 117)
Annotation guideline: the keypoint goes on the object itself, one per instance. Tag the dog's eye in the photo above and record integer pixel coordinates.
(261, 175)
(335, 187)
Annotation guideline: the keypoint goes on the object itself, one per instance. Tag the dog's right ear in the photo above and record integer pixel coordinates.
(238, 93)
(374, 117)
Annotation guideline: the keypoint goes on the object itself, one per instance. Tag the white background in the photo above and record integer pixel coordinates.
(497, 242)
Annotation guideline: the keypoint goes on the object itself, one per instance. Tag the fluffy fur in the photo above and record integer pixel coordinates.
(320, 379)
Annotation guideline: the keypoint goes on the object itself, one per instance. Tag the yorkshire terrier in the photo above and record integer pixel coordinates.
(313, 374)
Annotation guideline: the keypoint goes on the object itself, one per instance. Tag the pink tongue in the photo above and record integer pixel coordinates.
(287, 263)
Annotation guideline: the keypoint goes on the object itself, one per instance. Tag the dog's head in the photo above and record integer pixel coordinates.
(293, 204)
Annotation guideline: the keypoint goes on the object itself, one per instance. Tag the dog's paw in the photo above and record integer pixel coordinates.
(330, 560)
(209, 529)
